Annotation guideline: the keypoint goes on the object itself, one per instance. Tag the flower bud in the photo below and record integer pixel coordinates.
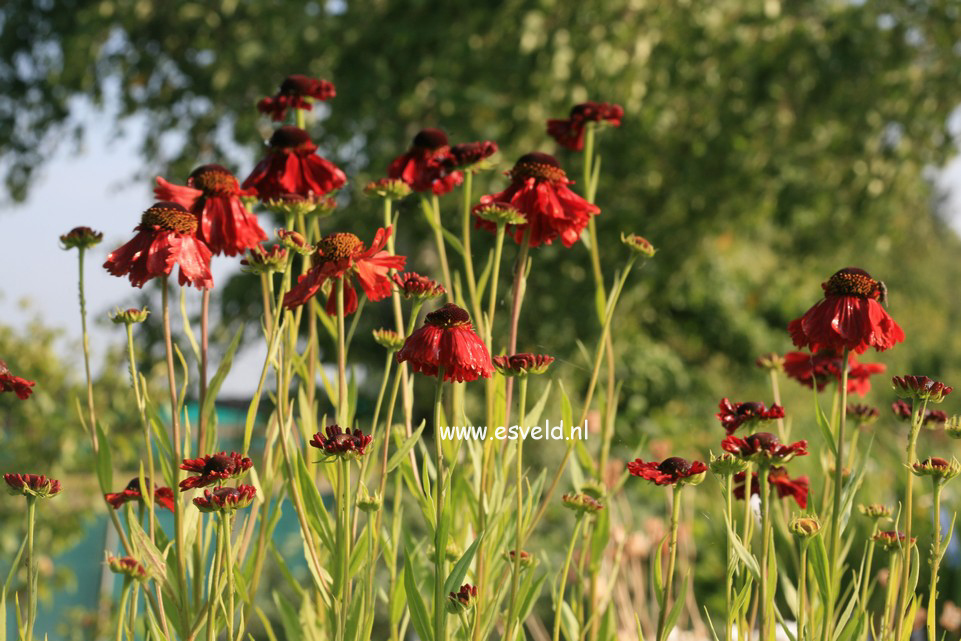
(940, 470)
(297, 205)
(462, 600)
(388, 339)
(920, 388)
(35, 485)
(127, 566)
(500, 214)
(367, 502)
(265, 261)
(295, 241)
(129, 316)
(892, 541)
(520, 365)
(388, 188)
(952, 427)
(638, 245)
(582, 503)
(527, 561)
(772, 361)
(875, 511)
(805, 526)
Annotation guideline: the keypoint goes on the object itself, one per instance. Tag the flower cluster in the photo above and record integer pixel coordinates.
(426, 165)
(763, 448)
(413, 285)
(569, 132)
(226, 499)
(463, 599)
(214, 469)
(297, 91)
(736, 415)
(336, 442)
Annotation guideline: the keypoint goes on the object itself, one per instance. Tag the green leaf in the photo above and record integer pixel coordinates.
(569, 624)
(213, 387)
(529, 591)
(104, 463)
(675, 612)
(657, 579)
(401, 452)
(600, 537)
(459, 571)
(533, 416)
(415, 602)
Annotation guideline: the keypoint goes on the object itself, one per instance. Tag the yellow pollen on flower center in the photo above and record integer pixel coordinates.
(338, 246)
(171, 218)
(852, 282)
(213, 180)
(541, 171)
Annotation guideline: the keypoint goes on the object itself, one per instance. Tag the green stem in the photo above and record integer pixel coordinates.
(935, 562)
(440, 533)
(213, 594)
(519, 517)
(122, 610)
(802, 591)
(517, 300)
(86, 350)
(495, 277)
(342, 416)
(767, 591)
(563, 578)
(147, 493)
(177, 453)
(828, 627)
(917, 420)
(204, 344)
(672, 555)
(728, 574)
(31, 567)
(776, 395)
(468, 257)
(890, 598)
(432, 213)
(229, 564)
(869, 561)
(344, 547)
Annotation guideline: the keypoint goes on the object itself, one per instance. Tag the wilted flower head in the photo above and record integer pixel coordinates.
(763, 448)
(875, 511)
(772, 361)
(297, 91)
(638, 245)
(388, 339)
(447, 341)
(735, 415)
(863, 414)
(940, 470)
(10, 383)
(850, 316)
(338, 443)
(265, 261)
(499, 214)
(163, 496)
(226, 499)
(920, 388)
(129, 316)
(166, 236)
(214, 469)
(294, 241)
(413, 285)
(296, 205)
(342, 256)
(127, 566)
(727, 464)
(389, 188)
(805, 526)
(36, 485)
(462, 600)
(582, 503)
(892, 541)
(80, 238)
(521, 365)
(569, 132)
(671, 471)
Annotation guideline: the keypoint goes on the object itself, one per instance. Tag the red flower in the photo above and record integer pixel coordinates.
(784, 484)
(763, 448)
(165, 237)
(413, 285)
(824, 367)
(336, 442)
(425, 165)
(163, 496)
(669, 471)
(447, 340)
(340, 256)
(226, 499)
(539, 191)
(296, 92)
(921, 388)
(902, 410)
(569, 133)
(291, 166)
(850, 316)
(37, 485)
(214, 469)
(10, 383)
(213, 195)
(522, 364)
(734, 415)
(467, 154)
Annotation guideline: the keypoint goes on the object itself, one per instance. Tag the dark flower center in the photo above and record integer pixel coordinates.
(296, 85)
(218, 463)
(762, 441)
(338, 246)
(749, 409)
(170, 216)
(289, 137)
(225, 492)
(134, 484)
(852, 281)
(675, 466)
(213, 180)
(450, 315)
(430, 138)
(537, 165)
